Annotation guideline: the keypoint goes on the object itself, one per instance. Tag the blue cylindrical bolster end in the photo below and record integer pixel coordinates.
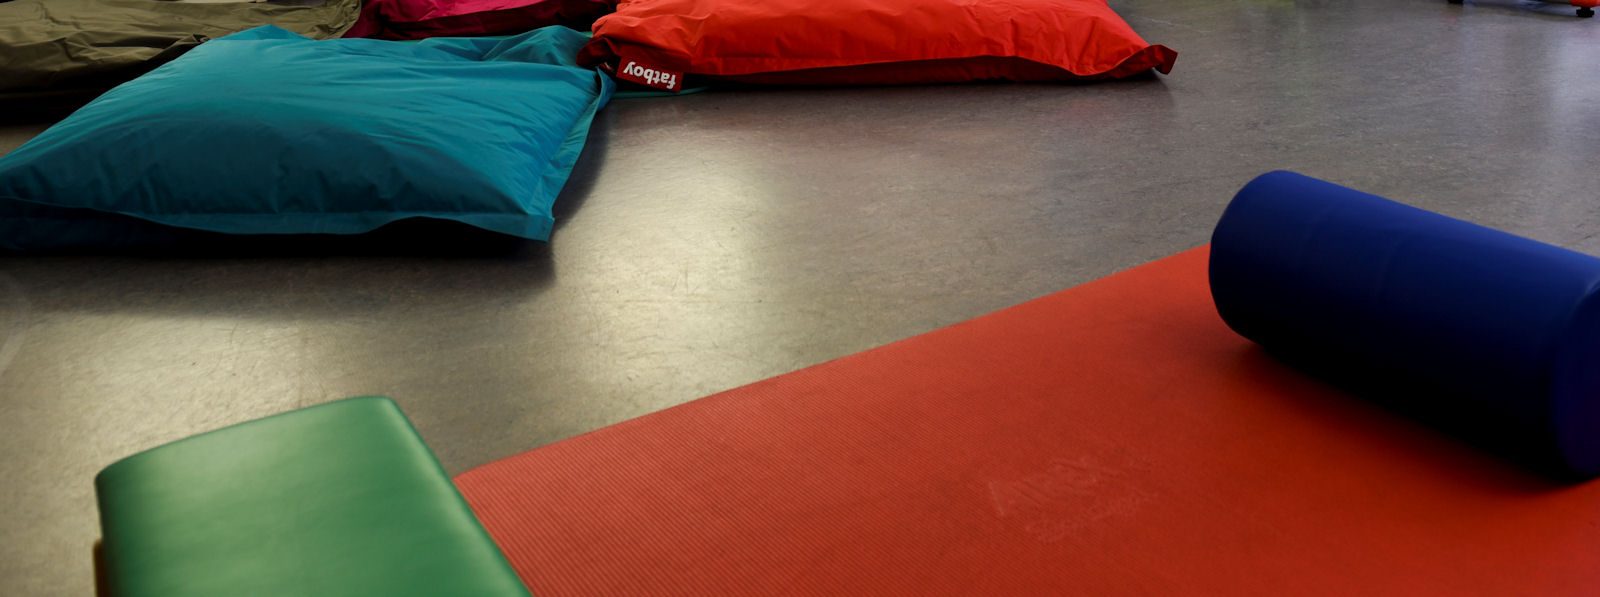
(1488, 334)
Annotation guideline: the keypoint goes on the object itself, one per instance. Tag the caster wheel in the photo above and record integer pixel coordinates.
(1585, 12)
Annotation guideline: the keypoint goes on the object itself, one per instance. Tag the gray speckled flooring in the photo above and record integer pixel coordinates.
(712, 240)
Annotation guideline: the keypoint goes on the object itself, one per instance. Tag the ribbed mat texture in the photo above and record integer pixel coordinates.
(1112, 439)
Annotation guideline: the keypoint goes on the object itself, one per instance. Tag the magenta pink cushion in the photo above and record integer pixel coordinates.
(419, 19)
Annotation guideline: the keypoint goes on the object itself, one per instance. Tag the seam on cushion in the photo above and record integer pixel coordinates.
(388, 216)
(1160, 61)
(577, 138)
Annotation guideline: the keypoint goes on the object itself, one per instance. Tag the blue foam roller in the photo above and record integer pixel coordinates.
(1493, 335)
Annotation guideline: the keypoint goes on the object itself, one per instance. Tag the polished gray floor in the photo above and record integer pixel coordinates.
(712, 240)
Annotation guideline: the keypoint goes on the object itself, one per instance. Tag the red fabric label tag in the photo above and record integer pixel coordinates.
(629, 69)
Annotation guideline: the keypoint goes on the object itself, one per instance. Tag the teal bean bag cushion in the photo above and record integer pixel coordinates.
(270, 132)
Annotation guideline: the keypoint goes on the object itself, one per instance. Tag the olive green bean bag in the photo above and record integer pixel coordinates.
(51, 48)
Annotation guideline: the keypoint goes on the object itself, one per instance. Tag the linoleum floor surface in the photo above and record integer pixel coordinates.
(712, 240)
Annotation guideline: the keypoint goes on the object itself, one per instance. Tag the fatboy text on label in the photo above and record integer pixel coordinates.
(650, 76)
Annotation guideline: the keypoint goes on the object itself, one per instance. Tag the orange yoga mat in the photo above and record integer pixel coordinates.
(1112, 439)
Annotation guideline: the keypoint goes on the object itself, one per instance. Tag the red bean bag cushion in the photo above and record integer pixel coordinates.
(419, 19)
(865, 42)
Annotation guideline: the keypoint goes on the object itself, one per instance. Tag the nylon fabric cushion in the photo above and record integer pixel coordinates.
(269, 132)
(851, 42)
(419, 19)
(66, 48)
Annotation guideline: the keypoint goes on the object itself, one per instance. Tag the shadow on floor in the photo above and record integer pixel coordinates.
(1504, 456)
(417, 238)
(1553, 10)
